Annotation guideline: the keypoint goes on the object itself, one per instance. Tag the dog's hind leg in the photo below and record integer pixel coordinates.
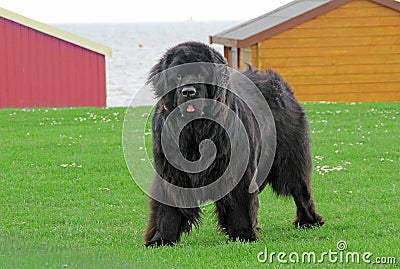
(298, 176)
(291, 175)
(306, 215)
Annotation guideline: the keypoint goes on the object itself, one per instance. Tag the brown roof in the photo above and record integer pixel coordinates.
(281, 19)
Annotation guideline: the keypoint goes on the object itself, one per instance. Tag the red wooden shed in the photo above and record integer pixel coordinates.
(42, 66)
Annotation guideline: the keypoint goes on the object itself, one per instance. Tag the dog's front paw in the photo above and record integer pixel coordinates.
(158, 241)
(305, 224)
(243, 235)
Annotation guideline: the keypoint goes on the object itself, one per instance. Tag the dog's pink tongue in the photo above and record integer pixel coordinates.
(190, 108)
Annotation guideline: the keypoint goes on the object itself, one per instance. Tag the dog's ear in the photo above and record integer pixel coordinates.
(163, 86)
(158, 79)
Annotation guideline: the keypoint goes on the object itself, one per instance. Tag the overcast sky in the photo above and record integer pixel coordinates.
(91, 11)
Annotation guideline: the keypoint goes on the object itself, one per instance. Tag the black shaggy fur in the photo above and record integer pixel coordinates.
(290, 173)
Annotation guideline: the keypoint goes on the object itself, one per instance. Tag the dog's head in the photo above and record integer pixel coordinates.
(187, 72)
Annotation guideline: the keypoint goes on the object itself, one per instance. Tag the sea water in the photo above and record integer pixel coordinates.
(137, 47)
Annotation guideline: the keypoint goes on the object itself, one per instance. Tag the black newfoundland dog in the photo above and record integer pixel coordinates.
(290, 172)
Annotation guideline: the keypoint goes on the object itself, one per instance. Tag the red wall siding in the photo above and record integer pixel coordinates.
(38, 70)
(3, 67)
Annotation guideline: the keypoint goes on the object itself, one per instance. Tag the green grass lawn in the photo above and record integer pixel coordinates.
(67, 199)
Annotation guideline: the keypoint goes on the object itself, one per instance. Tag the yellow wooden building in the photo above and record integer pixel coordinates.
(338, 50)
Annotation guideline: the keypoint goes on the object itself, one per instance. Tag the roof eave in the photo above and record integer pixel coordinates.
(394, 4)
(227, 42)
(254, 39)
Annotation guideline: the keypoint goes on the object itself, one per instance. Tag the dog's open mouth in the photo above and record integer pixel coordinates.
(190, 108)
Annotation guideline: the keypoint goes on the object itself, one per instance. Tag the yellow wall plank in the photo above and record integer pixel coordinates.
(254, 56)
(226, 55)
(378, 20)
(358, 4)
(370, 11)
(376, 87)
(339, 32)
(350, 51)
(349, 97)
(342, 79)
(245, 56)
(331, 60)
(366, 69)
(332, 41)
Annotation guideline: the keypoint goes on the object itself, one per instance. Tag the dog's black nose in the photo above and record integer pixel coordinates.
(188, 91)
